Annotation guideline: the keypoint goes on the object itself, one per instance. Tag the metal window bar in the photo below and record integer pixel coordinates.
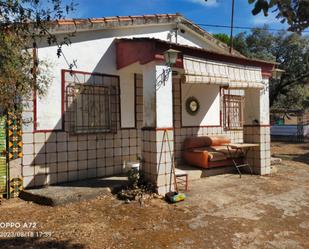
(89, 108)
(233, 111)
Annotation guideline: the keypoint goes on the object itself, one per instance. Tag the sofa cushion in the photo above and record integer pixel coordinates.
(228, 152)
(224, 153)
(222, 148)
(218, 140)
(196, 158)
(201, 149)
(216, 156)
(204, 141)
(213, 155)
(196, 142)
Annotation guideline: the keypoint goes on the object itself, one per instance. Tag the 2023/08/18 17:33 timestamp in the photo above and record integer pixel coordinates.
(28, 234)
(22, 230)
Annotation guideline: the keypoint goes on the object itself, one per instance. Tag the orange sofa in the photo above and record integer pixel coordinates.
(208, 151)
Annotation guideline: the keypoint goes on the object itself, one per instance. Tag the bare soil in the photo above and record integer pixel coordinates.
(298, 152)
(220, 212)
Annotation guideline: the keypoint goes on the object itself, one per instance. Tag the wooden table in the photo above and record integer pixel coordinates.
(243, 149)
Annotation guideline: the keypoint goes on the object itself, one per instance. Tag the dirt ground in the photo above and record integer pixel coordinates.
(220, 212)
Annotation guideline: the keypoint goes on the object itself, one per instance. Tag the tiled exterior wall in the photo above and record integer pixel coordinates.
(181, 133)
(58, 156)
(158, 152)
(259, 157)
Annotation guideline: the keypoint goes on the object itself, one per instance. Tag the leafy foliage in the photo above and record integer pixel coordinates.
(294, 12)
(295, 99)
(291, 51)
(22, 23)
(223, 37)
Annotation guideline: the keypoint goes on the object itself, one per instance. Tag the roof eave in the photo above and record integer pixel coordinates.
(158, 47)
(93, 24)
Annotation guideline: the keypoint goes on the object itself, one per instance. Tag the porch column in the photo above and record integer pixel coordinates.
(158, 135)
(257, 129)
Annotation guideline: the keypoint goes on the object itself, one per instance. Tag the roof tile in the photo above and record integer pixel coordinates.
(113, 19)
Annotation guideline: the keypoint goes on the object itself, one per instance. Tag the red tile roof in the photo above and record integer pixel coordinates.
(116, 19)
(76, 25)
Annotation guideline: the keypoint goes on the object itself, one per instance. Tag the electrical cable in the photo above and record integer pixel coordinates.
(244, 27)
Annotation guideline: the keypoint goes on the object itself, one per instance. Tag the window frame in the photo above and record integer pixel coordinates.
(113, 96)
(228, 100)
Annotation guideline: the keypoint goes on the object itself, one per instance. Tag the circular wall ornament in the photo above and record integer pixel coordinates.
(192, 105)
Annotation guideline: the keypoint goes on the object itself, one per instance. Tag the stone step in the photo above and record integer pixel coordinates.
(74, 191)
(195, 173)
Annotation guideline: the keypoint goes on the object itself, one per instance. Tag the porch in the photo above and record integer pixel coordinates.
(211, 83)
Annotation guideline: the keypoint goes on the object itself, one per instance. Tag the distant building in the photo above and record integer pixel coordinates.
(289, 125)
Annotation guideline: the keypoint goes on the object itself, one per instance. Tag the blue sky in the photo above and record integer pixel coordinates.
(212, 12)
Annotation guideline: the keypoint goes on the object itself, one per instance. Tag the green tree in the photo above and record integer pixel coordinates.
(223, 37)
(22, 23)
(240, 44)
(239, 41)
(261, 44)
(294, 12)
(295, 99)
(291, 51)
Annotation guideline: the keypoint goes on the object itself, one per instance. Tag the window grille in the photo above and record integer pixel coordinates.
(233, 114)
(91, 108)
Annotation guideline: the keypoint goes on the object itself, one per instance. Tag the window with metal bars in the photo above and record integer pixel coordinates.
(91, 108)
(233, 115)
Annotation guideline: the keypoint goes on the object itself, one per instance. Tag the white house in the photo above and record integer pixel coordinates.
(121, 98)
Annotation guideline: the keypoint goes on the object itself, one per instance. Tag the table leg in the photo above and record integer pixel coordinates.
(233, 157)
(246, 160)
(236, 166)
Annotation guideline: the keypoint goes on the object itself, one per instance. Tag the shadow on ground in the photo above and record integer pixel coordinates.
(304, 158)
(298, 152)
(111, 183)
